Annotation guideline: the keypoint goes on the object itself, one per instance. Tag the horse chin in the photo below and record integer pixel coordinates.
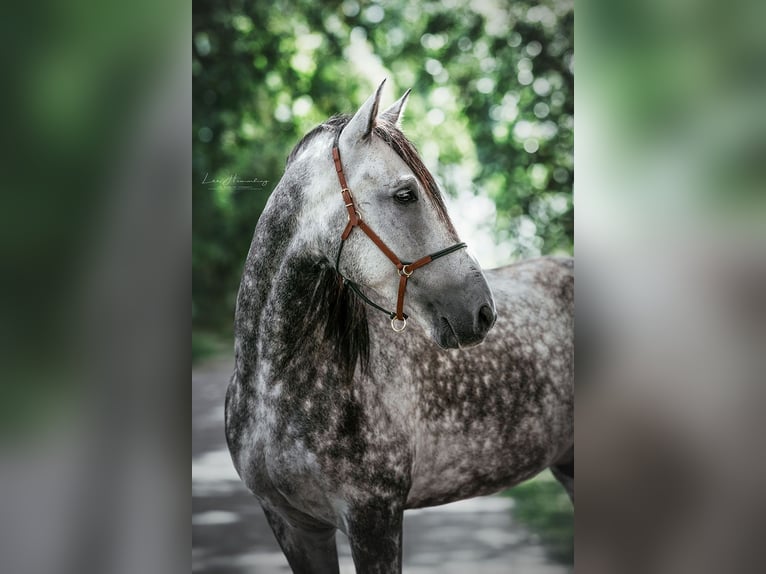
(445, 336)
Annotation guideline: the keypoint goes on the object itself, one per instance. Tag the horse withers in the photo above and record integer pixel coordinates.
(340, 417)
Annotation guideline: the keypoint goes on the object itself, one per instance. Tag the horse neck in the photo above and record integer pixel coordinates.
(275, 318)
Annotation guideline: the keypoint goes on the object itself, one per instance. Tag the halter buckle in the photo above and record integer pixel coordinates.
(394, 324)
(356, 211)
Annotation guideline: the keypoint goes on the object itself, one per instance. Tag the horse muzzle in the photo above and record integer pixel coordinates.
(459, 323)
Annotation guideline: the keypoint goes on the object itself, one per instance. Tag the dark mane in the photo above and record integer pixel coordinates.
(337, 308)
(337, 315)
(332, 125)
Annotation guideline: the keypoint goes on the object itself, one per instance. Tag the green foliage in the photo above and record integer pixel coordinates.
(206, 344)
(491, 110)
(543, 506)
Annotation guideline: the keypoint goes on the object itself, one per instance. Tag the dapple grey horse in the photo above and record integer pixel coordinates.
(336, 421)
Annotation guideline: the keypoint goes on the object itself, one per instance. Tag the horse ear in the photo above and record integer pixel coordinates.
(394, 113)
(363, 121)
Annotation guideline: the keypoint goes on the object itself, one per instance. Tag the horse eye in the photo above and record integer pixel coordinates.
(405, 196)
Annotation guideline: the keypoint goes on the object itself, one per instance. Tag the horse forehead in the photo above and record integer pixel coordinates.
(376, 161)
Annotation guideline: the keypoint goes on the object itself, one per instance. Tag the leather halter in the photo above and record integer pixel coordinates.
(405, 269)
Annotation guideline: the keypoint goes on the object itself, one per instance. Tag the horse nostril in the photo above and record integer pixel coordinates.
(486, 318)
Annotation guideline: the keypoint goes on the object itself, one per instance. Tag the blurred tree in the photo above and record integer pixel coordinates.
(492, 110)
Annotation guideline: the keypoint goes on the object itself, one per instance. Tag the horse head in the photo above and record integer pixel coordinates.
(376, 213)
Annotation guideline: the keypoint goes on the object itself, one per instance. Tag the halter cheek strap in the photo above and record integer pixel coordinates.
(405, 269)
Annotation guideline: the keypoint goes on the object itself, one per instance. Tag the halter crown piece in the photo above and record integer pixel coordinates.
(405, 269)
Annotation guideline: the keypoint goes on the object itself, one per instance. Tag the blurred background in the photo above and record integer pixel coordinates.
(491, 112)
(95, 229)
(671, 285)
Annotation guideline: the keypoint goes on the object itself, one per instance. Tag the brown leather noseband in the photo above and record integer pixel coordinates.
(405, 269)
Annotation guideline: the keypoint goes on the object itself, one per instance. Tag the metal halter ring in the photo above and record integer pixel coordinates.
(402, 321)
(403, 271)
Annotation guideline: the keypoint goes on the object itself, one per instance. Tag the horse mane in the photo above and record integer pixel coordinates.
(342, 317)
(341, 312)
